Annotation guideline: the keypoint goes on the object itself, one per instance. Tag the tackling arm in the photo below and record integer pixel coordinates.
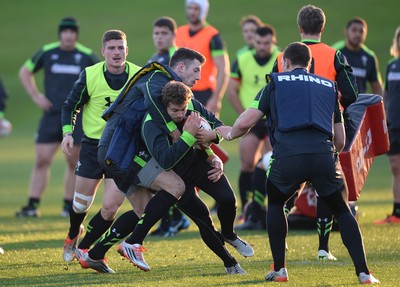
(242, 124)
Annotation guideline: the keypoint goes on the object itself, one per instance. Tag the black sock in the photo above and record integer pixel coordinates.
(75, 221)
(155, 209)
(95, 228)
(258, 211)
(176, 213)
(67, 203)
(244, 186)
(121, 228)
(33, 202)
(259, 178)
(324, 224)
(197, 210)
(396, 209)
(166, 220)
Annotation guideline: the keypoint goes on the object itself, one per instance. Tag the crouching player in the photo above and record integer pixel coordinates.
(196, 168)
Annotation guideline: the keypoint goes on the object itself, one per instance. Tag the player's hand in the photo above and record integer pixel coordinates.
(67, 144)
(192, 124)
(175, 135)
(224, 131)
(42, 102)
(218, 169)
(205, 137)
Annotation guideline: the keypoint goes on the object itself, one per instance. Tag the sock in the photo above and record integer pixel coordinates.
(244, 186)
(259, 177)
(396, 209)
(324, 224)
(199, 213)
(121, 228)
(75, 221)
(95, 228)
(259, 195)
(258, 212)
(33, 202)
(166, 220)
(66, 204)
(176, 213)
(155, 209)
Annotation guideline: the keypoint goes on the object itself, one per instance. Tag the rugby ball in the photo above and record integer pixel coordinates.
(203, 125)
(5, 127)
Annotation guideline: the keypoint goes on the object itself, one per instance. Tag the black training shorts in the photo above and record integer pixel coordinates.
(322, 170)
(50, 129)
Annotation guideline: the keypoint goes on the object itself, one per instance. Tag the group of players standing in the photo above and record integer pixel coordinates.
(165, 166)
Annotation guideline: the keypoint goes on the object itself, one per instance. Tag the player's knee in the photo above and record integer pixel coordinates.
(110, 207)
(108, 212)
(247, 164)
(177, 189)
(395, 170)
(71, 165)
(81, 203)
(42, 162)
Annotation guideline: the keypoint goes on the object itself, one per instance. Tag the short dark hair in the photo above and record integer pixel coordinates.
(186, 55)
(68, 23)
(113, 35)
(251, 19)
(357, 20)
(166, 22)
(298, 53)
(311, 19)
(265, 30)
(176, 93)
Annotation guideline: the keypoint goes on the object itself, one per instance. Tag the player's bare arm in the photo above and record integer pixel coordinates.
(243, 123)
(29, 83)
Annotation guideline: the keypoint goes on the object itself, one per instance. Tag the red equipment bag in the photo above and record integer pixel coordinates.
(366, 138)
(217, 149)
(306, 203)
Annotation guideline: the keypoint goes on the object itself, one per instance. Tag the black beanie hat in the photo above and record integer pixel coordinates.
(68, 23)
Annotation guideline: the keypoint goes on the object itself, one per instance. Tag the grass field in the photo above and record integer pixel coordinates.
(34, 246)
